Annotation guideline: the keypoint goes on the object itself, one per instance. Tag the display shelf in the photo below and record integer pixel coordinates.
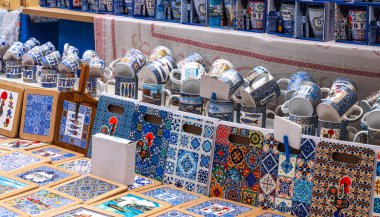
(60, 14)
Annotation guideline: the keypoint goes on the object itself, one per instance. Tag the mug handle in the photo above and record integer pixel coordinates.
(167, 92)
(109, 82)
(235, 99)
(171, 98)
(206, 110)
(285, 81)
(172, 78)
(358, 134)
(357, 108)
(113, 64)
(108, 73)
(285, 107)
(325, 90)
(271, 112)
(364, 119)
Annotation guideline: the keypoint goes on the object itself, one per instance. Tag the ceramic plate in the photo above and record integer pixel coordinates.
(10, 186)
(15, 161)
(79, 165)
(56, 154)
(22, 144)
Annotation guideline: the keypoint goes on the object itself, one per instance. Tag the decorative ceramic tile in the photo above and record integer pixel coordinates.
(376, 189)
(175, 212)
(142, 183)
(10, 212)
(90, 188)
(5, 138)
(172, 195)
(270, 215)
(17, 160)
(152, 140)
(188, 163)
(22, 144)
(40, 202)
(56, 154)
(111, 123)
(10, 109)
(46, 175)
(342, 188)
(10, 186)
(79, 165)
(74, 131)
(221, 208)
(286, 184)
(236, 167)
(82, 211)
(132, 204)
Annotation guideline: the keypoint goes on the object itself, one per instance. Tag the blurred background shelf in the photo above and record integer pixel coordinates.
(60, 14)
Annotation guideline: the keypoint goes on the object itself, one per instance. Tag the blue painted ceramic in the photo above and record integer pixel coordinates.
(294, 82)
(13, 69)
(308, 123)
(126, 87)
(234, 80)
(70, 64)
(288, 17)
(252, 116)
(66, 82)
(31, 43)
(344, 81)
(48, 78)
(188, 102)
(51, 60)
(154, 93)
(88, 55)
(29, 73)
(333, 130)
(223, 110)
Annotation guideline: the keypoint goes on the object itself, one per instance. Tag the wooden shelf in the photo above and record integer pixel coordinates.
(60, 14)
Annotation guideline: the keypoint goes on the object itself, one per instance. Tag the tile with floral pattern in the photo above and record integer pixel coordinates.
(376, 189)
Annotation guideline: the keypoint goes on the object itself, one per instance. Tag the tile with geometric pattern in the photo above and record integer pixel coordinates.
(56, 154)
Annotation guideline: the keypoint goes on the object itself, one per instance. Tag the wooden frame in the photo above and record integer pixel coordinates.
(16, 118)
(262, 212)
(3, 139)
(201, 197)
(149, 213)
(43, 92)
(30, 186)
(2, 147)
(21, 214)
(73, 160)
(75, 201)
(255, 210)
(175, 209)
(73, 175)
(85, 207)
(43, 160)
(77, 155)
(146, 187)
(120, 188)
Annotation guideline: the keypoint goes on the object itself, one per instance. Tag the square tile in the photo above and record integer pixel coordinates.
(302, 191)
(46, 175)
(90, 188)
(285, 187)
(175, 212)
(11, 97)
(283, 205)
(15, 161)
(7, 211)
(21, 144)
(40, 202)
(56, 154)
(83, 211)
(79, 165)
(287, 167)
(10, 186)
(143, 183)
(187, 164)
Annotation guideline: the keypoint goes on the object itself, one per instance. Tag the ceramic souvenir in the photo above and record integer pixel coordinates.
(29, 73)
(341, 82)
(33, 56)
(124, 86)
(95, 86)
(66, 82)
(79, 165)
(98, 69)
(13, 69)
(288, 14)
(294, 82)
(46, 175)
(10, 186)
(51, 60)
(192, 57)
(130, 64)
(175, 212)
(233, 79)
(21, 144)
(88, 55)
(159, 70)
(256, 9)
(358, 19)
(84, 211)
(10, 109)
(47, 78)
(192, 103)
(308, 123)
(372, 117)
(218, 67)
(38, 114)
(317, 20)
(15, 161)
(31, 42)
(373, 136)
(142, 183)
(253, 116)
(335, 130)
(369, 101)
(4, 45)
(56, 154)
(90, 188)
(158, 52)
(70, 64)
(201, 10)
(15, 52)
(154, 94)
(190, 70)
(69, 50)
(10, 211)
(223, 110)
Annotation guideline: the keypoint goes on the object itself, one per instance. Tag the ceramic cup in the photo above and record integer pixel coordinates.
(124, 86)
(218, 67)
(373, 136)
(316, 19)
(48, 78)
(158, 71)
(223, 110)
(193, 57)
(257, 14)
(13, 69)
(234, 80)
(29, 73)
(188, 102)
(372, 118)
(159, 52)
(253, 116)
(4, 45)
(190, 70)
(191, 85)
(358, 18)
(31, 43)
(15, 52)
(293, 83)
(288, 14)
(176, 90)
(66, 82)
(339, 105)
(308, 123)
(95, 86)
(98, 69)
(47, 48)
(304, 99)
(130, 64)
(51, 60)
(154, 93)
(70, 64)
(368, 102)
(88, 55)
(33, 56)
(335, 130)
(343, 82)
(69, 50)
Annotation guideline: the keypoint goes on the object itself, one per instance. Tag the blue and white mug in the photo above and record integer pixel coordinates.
(193, 57)
(51, 60)
(66, 82)
(253, 116)
(13, 69)
(218, 67)
(31, 43)
(88, 55)
(294, 82)
(29, 73)
(33, 56)
(124, 86)
(154, 93)
(188, 102)
(4, 45)
(130, 64)
(69, 50)
(159, 52)
(70, 64)
(15, 52)
(191, 70)
(158, 71)
(344, 81)
(223, 110)
(335, 130)
(308, 123)
(372, 118)
(95, 86)
(47, 48)
(233, 79)
(98, 69)
(48, 78)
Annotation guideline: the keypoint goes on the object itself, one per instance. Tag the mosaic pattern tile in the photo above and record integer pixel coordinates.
(13, 161)
(171, 195)
(140, 182)
(56, 154)
(4, 212)
(270, 215)
(152, 140)
(342, 189)
(80, 165)
(188, 163)
(38, 114)
(10, 186)
(236, 167)
(376, 189)
(74, 131)
(82, 212)
(219, 208)
(175, 212)
(21, 144)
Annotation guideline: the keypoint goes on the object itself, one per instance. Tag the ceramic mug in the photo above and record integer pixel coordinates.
(304, 99)
(373, 136)
(15, 52)
(48, 78)
(98, 69)
(95, 86)
(158, 71)
(70, 64)
(4, 45)
(66, 82)
(51, 60)
(190, 70)
(29, 73)
(288, 14)
(69, 50)
(88, 55)
(294, 82)
(339, 105)
(191, 85)
(223, 110)
(33, 56)
(193, 57)
(124, 86)
(257, 14)
(234, 80)
(176, 90)
(130, 64)
(372, 118)
(158, 53)
(13, 69)
(308, 123)
(154, 93)
(358, 19)
(218, 67)
(253, 116)
(188, 102)
(335, 130)
(317, 19)
(368, 102)
(31, 43)
(343, 82)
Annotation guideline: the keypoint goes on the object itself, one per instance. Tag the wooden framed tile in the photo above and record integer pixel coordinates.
(143, 183)
(132, 204)
(5, 138)
(84, 210)
(221, 208)
(270, 213)
(11, 99)
(4, 151)
(39, 112)
(80, 165)
(41, 202)
(90, 188)
(175, 211)
(16, 161)
(46, 175)
(21, 144)
(8, 211)
(56, 154)
(10, 186)
(177, 197)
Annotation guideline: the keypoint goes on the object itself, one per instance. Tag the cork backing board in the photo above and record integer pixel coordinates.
(11, 98)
